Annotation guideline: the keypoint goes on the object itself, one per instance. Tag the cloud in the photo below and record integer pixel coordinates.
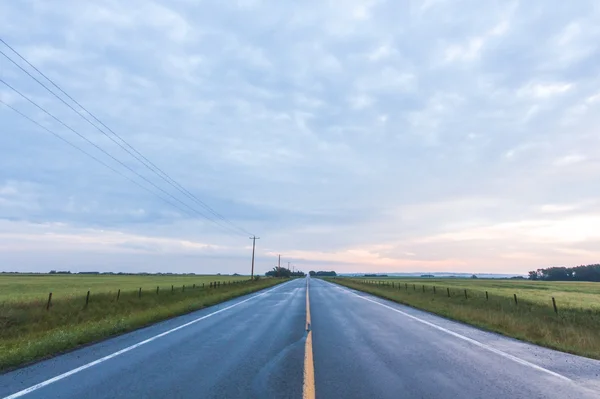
(379, 135)
(570, 160)
(544, 90)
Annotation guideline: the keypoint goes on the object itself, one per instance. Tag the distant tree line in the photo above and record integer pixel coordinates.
(322, 274)
(284, 272)
(128, 274)
(375, 275)
(577, 273)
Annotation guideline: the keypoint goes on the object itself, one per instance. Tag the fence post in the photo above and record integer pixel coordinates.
(466, 295)
(202, 285)
(486, 296)
(140, 293)
(434, 290)
(183, 288)
(87, 299)
(406, 286)
(392, 284)
(448, 289)
(50, 300)
(157, 290)
(515, 295)
(414, 287)
(423, 288)
(194, 286)
(172, 289)
(553, 304)
(118, 294)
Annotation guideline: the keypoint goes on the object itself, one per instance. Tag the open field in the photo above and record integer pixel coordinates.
(584, 295)
(19, 287)
(572, 328)
(29, 331)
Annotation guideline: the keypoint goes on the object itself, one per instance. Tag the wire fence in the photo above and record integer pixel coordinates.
(141, 293)
(448, 292)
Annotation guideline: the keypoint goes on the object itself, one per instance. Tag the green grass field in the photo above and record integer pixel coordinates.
(19, 287)
(574, 328)
(28, 331)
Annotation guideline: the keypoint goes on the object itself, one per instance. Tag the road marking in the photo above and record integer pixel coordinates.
(129, 348)
(470, 340)
(308, 390)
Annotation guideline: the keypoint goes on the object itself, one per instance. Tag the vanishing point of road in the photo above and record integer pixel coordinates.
(304, 339)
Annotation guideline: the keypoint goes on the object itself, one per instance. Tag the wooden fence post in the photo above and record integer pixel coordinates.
(515, 295)
(553, 304)
(466, 295)
(448, 289)
(172, 289)
(157, 290)
(140, 293)
(50, 301)
(423, 288)
(486, 296)
(118, 294)
(434, 290)
(183, 288)
(87, 299)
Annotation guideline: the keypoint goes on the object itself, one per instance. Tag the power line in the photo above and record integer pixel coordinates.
(58, 136)
(230, 230)
(139, 157)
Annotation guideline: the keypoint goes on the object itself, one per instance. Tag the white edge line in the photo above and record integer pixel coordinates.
(469, 340)
(129, 348)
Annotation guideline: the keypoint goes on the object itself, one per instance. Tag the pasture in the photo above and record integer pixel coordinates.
(26, 287)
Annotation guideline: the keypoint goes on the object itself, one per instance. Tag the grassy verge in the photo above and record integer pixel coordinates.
(29, 332)
(572, 329)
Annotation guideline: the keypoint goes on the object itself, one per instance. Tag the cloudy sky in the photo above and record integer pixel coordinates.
(355, 135)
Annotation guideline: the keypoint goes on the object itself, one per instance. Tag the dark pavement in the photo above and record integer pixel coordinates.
(254, 347)
(365, 350)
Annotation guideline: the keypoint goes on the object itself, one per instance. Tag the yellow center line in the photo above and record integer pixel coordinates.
(308, 391)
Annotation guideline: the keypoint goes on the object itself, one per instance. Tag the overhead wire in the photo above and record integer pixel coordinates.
(230, 230)
(136, 154)
(58, 136)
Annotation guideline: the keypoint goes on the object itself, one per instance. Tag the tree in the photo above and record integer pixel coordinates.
(533, 275)
(577, 273)
(312, 273)
(325, 274)
(284, 272)
(473, 276)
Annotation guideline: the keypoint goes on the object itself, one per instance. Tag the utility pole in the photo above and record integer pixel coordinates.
(253, 238)
(278, 265)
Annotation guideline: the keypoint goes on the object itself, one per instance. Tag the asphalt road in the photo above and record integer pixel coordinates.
(256, 347)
